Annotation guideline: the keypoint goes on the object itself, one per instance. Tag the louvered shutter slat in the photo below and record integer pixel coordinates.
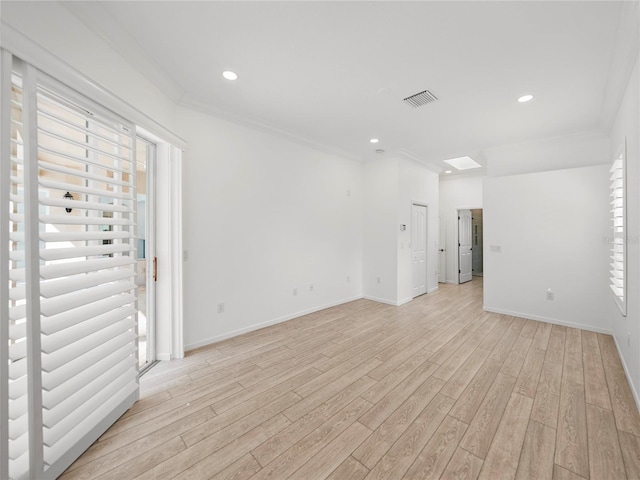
(617, 274)
(64, 373)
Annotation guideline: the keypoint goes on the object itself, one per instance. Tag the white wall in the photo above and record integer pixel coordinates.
(551, 228)
(579, 150)
(416, 185)
(263, 216)
(391, 186)
(380, 260)
(456, 193)
(626, 330)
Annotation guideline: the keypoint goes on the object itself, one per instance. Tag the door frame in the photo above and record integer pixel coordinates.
(442, 250)
(169, 337)
(454, 241)
(150, 247)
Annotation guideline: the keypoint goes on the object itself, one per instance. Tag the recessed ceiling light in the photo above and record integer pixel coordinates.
(463, 163)
(374, 140)
(525, 98)
(229, 75)
(447, 171)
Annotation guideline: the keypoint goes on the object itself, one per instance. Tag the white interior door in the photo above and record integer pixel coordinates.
(419, 248)
(464, 245)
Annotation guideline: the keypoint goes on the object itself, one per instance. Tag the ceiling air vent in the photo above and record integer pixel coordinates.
(420, 99)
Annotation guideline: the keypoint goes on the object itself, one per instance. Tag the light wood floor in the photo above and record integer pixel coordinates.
(436, 388)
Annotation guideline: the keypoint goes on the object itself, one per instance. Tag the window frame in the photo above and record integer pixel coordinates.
(618, 218)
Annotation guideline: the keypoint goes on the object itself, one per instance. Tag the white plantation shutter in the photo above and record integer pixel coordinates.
(13, 277)
(617, 273)
(69, 203)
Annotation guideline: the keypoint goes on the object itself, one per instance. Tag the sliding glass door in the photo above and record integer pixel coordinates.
(146, 263)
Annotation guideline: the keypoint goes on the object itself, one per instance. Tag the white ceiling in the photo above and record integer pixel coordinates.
(316, 69)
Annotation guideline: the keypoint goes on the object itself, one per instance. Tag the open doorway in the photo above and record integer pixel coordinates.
(470, 255)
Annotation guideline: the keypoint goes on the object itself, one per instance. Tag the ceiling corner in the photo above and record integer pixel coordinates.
(430, 165)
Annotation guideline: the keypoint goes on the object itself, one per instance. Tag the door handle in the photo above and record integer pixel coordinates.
(155, 269)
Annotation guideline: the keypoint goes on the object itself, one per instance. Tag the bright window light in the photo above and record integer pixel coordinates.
(463, 163)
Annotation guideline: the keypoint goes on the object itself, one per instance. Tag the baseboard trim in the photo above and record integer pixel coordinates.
(258, 326)
(387, 302)
(380, 300)
(554, 321)
(433, 289)
(634, 391)
(163, 357)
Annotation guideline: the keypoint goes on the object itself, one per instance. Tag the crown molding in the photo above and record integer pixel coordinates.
(436, 166)
(624, 58)
(96, 18)
(478, 172)
(263, 126)
(412, 157)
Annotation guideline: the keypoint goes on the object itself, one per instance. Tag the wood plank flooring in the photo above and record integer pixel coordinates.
(436, 388)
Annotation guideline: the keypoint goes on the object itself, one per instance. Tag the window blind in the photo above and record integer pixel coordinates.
(617, 272)
(13, 201)
(69, 203)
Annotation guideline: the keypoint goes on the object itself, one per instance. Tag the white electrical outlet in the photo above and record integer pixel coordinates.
(311, 288)
(295, 292)
(221, 308)
(549, 294)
